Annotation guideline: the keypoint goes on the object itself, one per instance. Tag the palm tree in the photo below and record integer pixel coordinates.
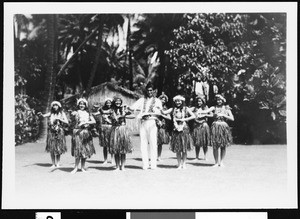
(106, 22)
(152, 37)
(50, 77)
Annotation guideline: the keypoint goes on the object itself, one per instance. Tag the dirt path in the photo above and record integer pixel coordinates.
(254, 177)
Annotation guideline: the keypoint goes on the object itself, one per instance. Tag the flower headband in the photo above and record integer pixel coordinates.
(82, 100)
(179, 97)
(164, 96)
(219, 96)
(55, 102)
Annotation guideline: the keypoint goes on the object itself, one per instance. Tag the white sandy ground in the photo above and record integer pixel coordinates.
(255, 176)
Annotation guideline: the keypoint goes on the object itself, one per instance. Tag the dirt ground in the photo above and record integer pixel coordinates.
(255, 176)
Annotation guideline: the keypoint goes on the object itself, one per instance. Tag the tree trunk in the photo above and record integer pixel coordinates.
(161, 70)
(96, 60)
(75, 53)
(50, 79)
(129, 55)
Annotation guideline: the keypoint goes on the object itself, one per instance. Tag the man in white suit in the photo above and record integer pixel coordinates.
(149, 107)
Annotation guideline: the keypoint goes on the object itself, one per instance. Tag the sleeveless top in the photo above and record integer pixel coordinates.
(223, 110)
(198, 112)
(106, 116)
(179, 114)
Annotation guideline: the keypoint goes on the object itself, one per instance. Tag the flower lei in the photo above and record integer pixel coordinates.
(178, 127)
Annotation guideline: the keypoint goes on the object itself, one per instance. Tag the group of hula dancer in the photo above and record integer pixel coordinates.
(158, 125)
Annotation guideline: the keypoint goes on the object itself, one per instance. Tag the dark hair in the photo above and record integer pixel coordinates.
(149, 85)
(86, 107)
(58, 110)
(115, 108)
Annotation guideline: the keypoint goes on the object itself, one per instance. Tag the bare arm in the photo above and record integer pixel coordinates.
(166, 112)
(43, 115)
(96, 113)
(64, 118)
(229, 115)
(92, 120)
(192, 116)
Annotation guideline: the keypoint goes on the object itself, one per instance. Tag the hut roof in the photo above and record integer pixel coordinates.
(69, 101)
(114, 87)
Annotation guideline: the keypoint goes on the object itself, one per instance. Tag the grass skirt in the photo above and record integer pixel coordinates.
(181, 141)
(163, 136)
(56, 141)
(104, 135)
(201, 135)
(82, 143)
(120, 140)
(220, 134)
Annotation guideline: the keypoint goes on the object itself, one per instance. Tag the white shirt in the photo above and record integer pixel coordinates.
(140, 104)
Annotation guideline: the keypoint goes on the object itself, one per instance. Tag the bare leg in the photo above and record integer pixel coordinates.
(223, 153)
(159, 150)
(83, 164)
(184, 155)
(57, 160)
(53, 160)
(205, 149)
(112, 158)
(123, 159)
(178, 159)
(216, 156)
(105, 155)
(197, 152)
(77, 160)
(117, 160)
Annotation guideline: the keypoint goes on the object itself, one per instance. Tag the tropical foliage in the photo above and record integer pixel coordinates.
(26, 121)
(244, 54)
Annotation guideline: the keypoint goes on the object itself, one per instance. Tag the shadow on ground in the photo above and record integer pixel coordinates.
(201, 164)
(39, 164)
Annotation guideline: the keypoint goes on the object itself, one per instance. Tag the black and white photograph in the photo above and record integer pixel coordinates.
(150, 105)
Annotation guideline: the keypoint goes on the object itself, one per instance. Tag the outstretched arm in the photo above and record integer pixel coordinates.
(166, 112)
(192, 116)
(64, 118)
(43, 115)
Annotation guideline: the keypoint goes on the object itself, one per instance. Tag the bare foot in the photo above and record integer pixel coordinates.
(105, 162)
(53, 166)
(183, 166)
(221, 165)
(123, 169)
(58, 165)
(74, 171)
(158, 159)
(215, 165)
(178, 167)
(84, 170)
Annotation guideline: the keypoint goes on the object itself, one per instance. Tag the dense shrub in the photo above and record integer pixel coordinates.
(26, 120)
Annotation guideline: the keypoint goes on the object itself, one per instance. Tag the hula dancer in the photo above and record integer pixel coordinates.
(163, 135)
(181, 140)
(120, 140)
(220, 131)
(56, 140)
(105, 127)
(82, 139)
(201, 130)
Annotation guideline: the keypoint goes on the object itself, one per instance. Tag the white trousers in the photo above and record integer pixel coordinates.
(148, 134)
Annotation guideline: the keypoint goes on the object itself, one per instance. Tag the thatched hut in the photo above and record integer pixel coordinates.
(106, 90)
